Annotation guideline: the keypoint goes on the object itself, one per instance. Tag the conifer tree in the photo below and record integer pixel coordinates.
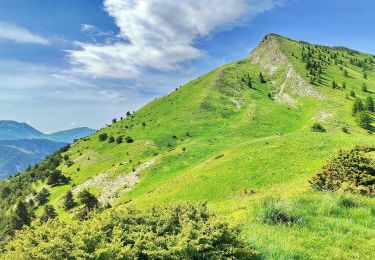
(68, 201)
(49, 212)
(369, 104)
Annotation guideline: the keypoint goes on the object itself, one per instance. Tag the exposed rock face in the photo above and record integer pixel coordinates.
(268, 55)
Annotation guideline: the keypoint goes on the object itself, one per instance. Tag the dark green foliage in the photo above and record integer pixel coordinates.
(103, 137)
(129, 140)
(176, 232)
(42, 196)
(56, 178)
(88, 200)
(349, 171)
(343, 85)
(111, 139)
(246, 79)
(352, 93)
(20, 217)
(369, 104)
(114, 120)
(345, 130)
(364, 120)
(357, 106)
(261, 78)
(364, 75)
(49, 212)
(364, 88)
(275, 211)
(68, 201)
(119, 140)
(346, 74)
(316, 127)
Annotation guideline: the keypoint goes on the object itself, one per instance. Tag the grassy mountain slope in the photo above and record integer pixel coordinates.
(219, 140)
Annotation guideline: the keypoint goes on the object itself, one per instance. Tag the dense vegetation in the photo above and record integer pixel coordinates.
(180, 232)
(351, 171)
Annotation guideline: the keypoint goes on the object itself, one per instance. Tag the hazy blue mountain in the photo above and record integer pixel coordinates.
(70, 135)
(22, 145)
(12, 130)
(17, 155)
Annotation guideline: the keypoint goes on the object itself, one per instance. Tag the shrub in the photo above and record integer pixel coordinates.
(56, 178)
(352, 93)
(103, 137)
(275, 211)
(111, 139)
(42, 196)
(316, 127)
(129, 140)
(351, 171)
(345, 130)
(119, 140)
(174, 232)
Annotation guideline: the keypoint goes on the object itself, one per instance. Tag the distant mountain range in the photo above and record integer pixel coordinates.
(22, 145)
(12, 130)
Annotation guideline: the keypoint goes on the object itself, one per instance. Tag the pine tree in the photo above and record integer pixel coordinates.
(68, 201)
(88, 200)
(20, 217)
(261, 78)
(49, 212)
(364, 120)
(369, 104)
(357, 106)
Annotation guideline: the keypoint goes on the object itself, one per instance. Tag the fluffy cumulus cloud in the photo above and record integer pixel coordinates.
(14, 33)
(159, 34)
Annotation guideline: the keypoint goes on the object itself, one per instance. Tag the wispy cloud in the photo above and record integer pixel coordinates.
(159, 34)
(14, 33)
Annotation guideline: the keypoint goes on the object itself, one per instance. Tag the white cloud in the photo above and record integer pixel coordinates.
(11, 32)
(159, 34)
(87, 27)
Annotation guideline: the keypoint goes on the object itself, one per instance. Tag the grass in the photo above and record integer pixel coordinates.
(207, 148)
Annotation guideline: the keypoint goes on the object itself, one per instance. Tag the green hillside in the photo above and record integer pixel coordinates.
(238, 141)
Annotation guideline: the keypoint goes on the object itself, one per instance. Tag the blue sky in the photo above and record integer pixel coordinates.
(76, 63)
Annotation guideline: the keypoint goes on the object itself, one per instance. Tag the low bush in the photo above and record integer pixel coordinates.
(317, 128)
(351, 171)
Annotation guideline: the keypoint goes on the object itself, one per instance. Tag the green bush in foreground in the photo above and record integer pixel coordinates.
(178, 232)
(349, 171)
